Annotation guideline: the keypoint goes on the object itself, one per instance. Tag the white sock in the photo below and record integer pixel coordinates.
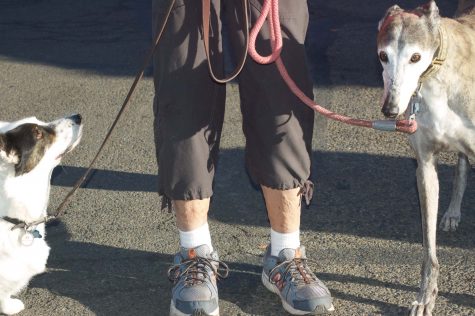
(196, 237)
(280, 241)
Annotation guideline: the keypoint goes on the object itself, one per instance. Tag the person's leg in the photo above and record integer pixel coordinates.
(189, 112)
(278, 129)
(278, 126)
(283, 209)
(191, 214)
(192, 223)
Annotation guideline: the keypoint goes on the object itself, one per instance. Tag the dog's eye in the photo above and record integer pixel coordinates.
(415, 58)
(383, 57)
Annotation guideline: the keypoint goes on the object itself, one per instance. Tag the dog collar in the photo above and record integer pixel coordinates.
(28, 233)
(434, 66)
(14, 221)
(439, 59)
(19, 224)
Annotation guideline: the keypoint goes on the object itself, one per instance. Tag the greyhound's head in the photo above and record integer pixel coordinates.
(407, 42)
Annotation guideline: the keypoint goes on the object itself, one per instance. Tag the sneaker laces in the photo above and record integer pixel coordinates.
(298, 270)
(196, 270)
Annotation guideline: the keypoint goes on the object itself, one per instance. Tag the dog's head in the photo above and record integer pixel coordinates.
(407, 42)
(30, 143)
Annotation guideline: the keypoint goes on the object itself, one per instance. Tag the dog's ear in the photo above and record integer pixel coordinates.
(25, 139)
(19, 148)
(6, 153)
(395, 9)
(430, 11)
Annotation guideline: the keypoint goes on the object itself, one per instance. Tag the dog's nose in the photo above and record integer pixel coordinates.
(76, 118)
(390, 108)
(390, 112)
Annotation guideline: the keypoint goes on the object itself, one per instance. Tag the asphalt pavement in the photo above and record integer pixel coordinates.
(111, 251)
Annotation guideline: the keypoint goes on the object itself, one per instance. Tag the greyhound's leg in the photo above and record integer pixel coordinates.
(451, 218)
(428, 186)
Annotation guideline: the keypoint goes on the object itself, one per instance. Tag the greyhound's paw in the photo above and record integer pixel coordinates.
(449, 221)
(11, 306)
(420, 309)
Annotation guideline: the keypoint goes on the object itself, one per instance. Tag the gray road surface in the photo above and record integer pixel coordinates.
(111, 252)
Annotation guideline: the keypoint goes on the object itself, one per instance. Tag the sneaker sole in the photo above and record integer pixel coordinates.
(175, 312)
(320, 310)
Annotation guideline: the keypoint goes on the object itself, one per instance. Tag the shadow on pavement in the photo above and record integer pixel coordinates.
(105, 280)
(355, 194)
(107, 37)
(110, 37)
(460, 299)
(100, 179)
(114, 281)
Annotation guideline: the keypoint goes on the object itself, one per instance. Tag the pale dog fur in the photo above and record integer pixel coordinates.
(25, 197)
(446, 121)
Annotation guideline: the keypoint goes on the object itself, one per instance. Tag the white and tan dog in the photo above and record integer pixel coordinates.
(429, 71)
(29, 150)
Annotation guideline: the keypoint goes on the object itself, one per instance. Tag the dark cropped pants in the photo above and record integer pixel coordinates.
(189, 105)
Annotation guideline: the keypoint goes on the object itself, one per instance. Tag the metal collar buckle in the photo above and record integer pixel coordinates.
(415, 103)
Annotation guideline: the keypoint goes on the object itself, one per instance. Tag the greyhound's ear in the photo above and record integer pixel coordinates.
(6, 155)
(395, 9)
(430, 10)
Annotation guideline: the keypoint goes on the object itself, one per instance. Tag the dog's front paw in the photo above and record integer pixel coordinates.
(11, 306)
(420, 309)
(449, 221)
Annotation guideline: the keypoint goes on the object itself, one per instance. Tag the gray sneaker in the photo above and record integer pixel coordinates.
(194, 274)
(301, 292)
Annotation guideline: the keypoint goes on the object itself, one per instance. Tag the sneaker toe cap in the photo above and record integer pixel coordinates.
(189, 307)
(313, 304)
(311, 291)
(310, 298)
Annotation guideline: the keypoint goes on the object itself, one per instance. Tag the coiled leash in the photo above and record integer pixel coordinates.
(270, 11)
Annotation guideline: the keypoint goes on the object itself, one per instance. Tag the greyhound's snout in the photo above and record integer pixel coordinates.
(390, 108)
(390, 112)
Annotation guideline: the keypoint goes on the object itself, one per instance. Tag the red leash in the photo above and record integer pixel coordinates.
(270, 11)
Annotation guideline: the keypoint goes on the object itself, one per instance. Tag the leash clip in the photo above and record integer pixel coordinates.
(415, 105)
(385, 125)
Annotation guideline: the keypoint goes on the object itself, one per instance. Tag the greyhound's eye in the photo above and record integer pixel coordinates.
(383, 56)
(415, 58)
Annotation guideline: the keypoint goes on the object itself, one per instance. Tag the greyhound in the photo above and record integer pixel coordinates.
(428, 73)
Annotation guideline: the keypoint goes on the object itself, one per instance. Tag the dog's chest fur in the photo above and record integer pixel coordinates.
(447, 115)
(26, 195)
(21, 261)
(23, 197)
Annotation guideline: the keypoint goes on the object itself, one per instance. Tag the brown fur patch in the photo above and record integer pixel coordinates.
(29, 142)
